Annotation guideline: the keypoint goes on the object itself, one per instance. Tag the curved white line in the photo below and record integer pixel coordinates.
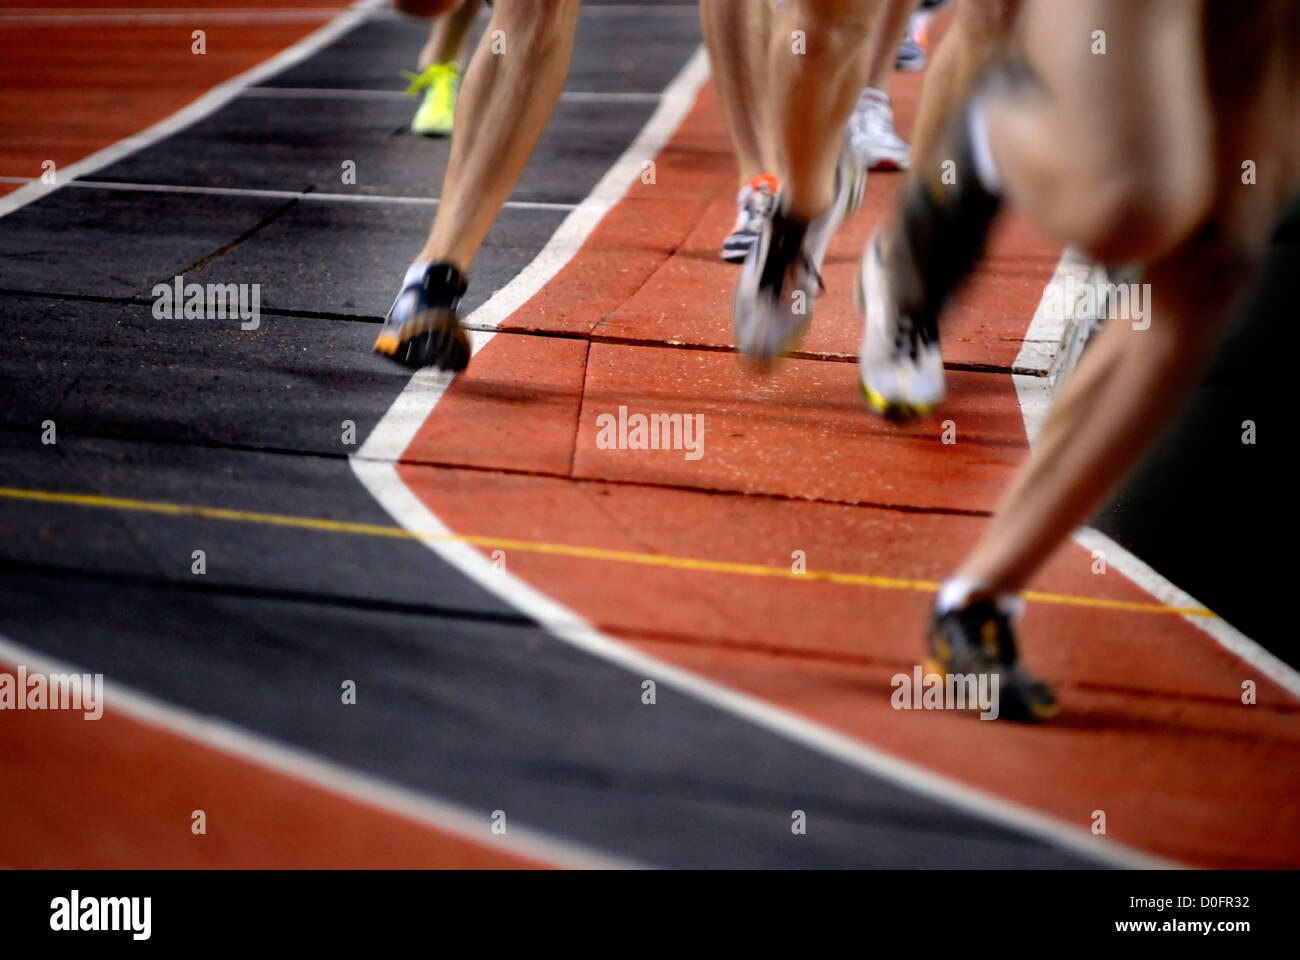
(213, 100)
(375, 465)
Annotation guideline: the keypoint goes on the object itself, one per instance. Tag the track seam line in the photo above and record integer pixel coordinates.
(356, 93)
(268, 193)
(577, 416)
(590, 338)
(423, 464)
(112, 18)
(248, 234)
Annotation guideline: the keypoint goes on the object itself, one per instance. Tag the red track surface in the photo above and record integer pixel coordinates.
(1153, 731)
(71, 90)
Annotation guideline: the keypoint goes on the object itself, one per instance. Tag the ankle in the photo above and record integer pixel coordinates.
(958, 592)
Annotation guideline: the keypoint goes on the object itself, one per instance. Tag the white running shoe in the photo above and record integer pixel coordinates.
(900, 364)
(872, 135)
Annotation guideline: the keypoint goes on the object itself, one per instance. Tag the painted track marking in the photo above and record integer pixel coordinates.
(696, 564)
(210, 102)
(307, 195)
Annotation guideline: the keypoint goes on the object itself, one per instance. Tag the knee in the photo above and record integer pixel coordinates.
(427, 8)
(833, 29)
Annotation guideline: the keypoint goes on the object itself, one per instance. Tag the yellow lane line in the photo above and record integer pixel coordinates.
(557, 549)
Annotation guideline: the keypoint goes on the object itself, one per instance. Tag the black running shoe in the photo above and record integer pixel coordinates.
(977, 638)
(941, 232)
(423, 327)
(942, 226)
(774, 298)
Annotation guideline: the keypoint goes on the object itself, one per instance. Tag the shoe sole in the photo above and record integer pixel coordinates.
(1033, 713)
(765, 362)
(433, 338)
(892, 409)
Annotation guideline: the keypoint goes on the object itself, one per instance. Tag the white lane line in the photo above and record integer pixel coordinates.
(141, 18)
(317, 196)
(213, 100)
(345, 93)
(1035, 395)
(322, 772)
(132, 16)
(375, 465)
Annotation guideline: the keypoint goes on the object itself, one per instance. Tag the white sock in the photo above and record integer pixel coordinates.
(986, 170)
(955, 592)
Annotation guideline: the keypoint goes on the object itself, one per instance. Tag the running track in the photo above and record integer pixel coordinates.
(475, 691)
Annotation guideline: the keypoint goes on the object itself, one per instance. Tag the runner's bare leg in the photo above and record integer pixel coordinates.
(882, 46)
(737, 34)
(817, 74)
(1130, 381)
(978, 30)
(509, 92)
(446, 42)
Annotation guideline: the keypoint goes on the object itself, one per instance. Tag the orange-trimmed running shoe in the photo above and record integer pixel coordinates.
(423, 326)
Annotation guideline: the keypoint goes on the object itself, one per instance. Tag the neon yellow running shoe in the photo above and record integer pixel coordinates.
(440, 83)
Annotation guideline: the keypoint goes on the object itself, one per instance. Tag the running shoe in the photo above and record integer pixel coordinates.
(900, 365)
(755, 203)
(423, 325)
(781, 279)
(943, 224)
(440, 83)
(911, 55)
(872, 135)
(978, 638)
(920, 22)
